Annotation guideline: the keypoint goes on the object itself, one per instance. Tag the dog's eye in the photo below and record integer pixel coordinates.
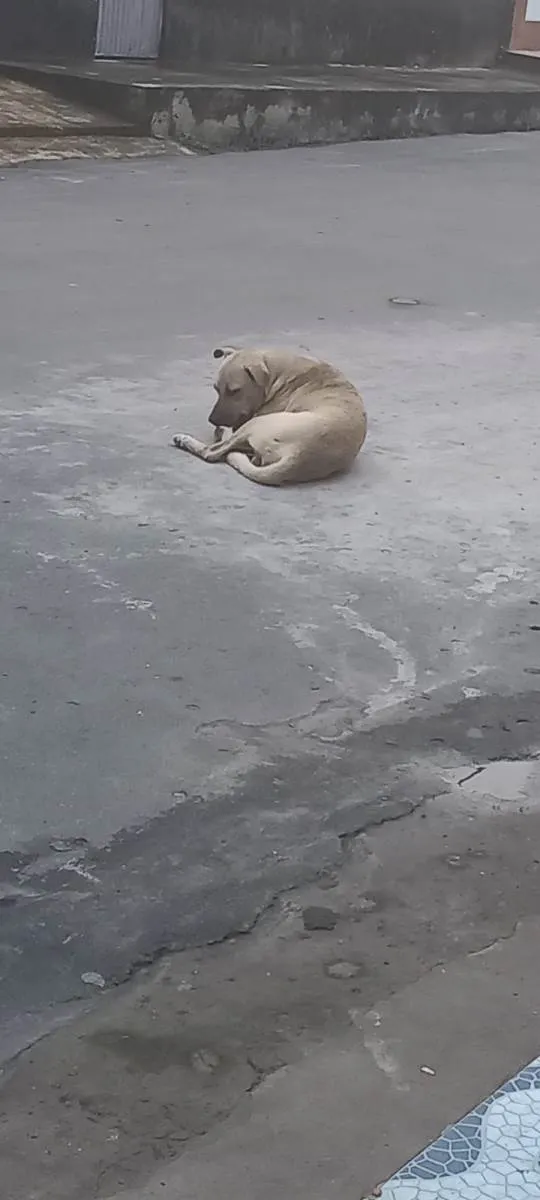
(231, 390)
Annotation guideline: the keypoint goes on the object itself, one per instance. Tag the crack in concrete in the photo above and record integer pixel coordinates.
(297, 803)
(472, 775)
(374, 819)
(258, 727)
(502, 937)
(153, 957)
(383, 818)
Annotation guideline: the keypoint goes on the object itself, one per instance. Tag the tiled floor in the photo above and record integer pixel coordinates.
(492, 1154)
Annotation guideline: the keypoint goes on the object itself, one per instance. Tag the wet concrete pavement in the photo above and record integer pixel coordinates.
(207, 687)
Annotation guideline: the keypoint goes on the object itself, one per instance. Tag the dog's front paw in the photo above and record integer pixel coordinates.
(183, 441)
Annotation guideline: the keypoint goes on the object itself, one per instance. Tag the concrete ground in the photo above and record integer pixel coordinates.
(254, 75)
(17, 151)
(223, 707)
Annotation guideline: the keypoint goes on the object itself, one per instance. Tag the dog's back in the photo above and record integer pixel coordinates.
(302, 384)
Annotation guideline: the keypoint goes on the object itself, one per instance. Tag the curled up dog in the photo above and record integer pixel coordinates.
(292, 418)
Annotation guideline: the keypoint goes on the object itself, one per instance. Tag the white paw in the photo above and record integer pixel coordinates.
(183, 441)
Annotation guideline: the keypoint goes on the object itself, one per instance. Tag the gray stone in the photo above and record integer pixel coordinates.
(317, 917)
(343, 970)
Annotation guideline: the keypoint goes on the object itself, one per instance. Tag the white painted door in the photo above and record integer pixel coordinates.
(129, 28)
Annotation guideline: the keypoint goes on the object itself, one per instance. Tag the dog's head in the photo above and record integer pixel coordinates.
(241, 386)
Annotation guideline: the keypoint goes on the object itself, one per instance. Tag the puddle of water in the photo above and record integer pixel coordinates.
(507, 780)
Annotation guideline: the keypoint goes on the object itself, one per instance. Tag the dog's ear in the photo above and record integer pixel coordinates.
(258, 371)
(224, 351)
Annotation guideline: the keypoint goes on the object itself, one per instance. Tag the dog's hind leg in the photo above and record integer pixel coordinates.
(273, 474)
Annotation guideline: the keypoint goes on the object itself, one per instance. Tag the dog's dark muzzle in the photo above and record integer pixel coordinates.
(214, 418)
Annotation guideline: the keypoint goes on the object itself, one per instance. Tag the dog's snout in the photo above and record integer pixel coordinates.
(216, 415)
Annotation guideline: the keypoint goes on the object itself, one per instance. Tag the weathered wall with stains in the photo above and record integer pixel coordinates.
(232, 119)
(380, 32)
(47, 29)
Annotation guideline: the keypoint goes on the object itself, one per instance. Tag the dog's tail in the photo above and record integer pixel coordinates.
(272, 475)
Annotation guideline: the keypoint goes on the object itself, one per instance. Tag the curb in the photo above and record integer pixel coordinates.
(252, 116)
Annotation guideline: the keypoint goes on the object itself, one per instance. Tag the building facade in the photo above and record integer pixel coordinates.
(376, 32)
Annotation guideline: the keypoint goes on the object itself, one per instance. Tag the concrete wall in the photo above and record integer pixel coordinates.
(47, 29)
(380, 32)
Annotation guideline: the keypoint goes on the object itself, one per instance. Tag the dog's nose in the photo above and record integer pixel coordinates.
(213, 418)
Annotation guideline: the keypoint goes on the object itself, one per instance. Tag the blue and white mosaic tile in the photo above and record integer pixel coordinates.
(493, 1154)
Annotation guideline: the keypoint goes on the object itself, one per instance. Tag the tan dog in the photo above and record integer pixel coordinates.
(293, 419)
